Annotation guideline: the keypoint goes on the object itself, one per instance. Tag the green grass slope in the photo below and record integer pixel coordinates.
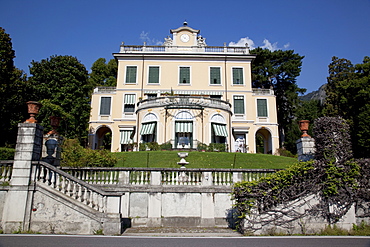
(169, 159)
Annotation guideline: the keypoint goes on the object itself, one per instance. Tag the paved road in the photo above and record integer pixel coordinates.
(98, 241)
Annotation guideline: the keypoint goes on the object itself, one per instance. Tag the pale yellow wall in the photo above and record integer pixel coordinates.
(200, 80)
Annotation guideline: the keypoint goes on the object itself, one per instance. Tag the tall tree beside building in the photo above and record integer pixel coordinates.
(278, 70)
(348, 96)
(13, 92)
(341, 71)
(62, 83)
(104, 74)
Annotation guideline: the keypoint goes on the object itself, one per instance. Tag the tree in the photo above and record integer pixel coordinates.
(349, 96)
(341, 71)
(278, 70)
(103, 74)
(61, 83)
(13, 92)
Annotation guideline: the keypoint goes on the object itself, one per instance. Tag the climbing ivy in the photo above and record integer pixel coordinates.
(334, 177)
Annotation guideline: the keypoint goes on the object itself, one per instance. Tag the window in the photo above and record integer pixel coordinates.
(153, 75)
(129, 106)
(215, 75)
(184, 75)
(151, 95)
(237, 76)
(105, 103)
(131, 74)
(215, 97)
(261, 107)
(239, 105)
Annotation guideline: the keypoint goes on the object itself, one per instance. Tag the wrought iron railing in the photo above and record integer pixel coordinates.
(192, 102)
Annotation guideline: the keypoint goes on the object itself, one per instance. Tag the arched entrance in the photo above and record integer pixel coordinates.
(263, 141)
(103, 138)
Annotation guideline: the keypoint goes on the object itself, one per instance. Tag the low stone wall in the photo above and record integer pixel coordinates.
(180, 209)
(296, 218)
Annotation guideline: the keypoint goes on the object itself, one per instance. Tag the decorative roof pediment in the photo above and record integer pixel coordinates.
(185, 28)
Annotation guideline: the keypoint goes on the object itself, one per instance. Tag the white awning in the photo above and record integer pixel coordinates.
(126, 137)
(147, 128)
(183, 127)
(220, 129)
(130, 99)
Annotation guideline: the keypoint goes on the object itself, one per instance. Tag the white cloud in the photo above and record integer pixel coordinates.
(144, 36)
(242, 42)
(266, 44)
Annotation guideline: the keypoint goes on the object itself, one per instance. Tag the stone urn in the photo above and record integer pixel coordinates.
(54, 122)
(303, 126)
(33, 110)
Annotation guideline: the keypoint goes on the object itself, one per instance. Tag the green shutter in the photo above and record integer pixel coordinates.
(261, 107)
(131, 74)
(153, 75)
(105, 103)
(238, 76)
(184, 75)
(239, 105)
(215, 75)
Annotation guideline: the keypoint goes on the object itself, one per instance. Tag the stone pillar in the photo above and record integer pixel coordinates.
(155, 201)
(208, 202)
(305, 148)
(28, 149)
(306, 144)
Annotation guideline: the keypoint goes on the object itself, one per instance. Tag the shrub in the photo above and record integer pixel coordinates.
(74, 155)
(286, 153)
(166, 146)
(7, 153)
(202, 146)
(217, 147)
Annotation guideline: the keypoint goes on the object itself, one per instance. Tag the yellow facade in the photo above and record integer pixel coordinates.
(185, 93)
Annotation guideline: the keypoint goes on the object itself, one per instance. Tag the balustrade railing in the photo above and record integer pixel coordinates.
(166, 176)
(71, 186)
(6, 168)
(195, 49)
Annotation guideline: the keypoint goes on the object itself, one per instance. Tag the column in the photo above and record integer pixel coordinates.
(28, 149)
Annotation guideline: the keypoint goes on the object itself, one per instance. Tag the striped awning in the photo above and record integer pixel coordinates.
(183, 127)
(147, 128)
(130, 99)
(126, 136)
(220, 129)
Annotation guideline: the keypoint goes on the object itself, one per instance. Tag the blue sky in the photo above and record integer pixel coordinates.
(88, 30)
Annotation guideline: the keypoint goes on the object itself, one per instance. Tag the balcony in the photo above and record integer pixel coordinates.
(262, 91)
(105, 90)
(186, 49)
(184, 102)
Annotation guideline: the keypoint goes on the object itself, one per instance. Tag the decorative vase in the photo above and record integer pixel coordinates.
(54, 122)
(33, 110)
(303, 126)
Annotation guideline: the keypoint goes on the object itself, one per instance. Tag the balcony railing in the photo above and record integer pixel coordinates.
(192, 49)
(262, 91)
(178, 102)
(105, 90)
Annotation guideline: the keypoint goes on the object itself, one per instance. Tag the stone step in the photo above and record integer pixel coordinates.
(181, 232)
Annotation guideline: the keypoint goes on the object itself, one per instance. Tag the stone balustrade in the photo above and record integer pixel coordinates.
(166, 176)
(54, 178)
(6, 167)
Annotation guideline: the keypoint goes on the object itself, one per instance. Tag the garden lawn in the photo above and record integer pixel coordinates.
(169, 159)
